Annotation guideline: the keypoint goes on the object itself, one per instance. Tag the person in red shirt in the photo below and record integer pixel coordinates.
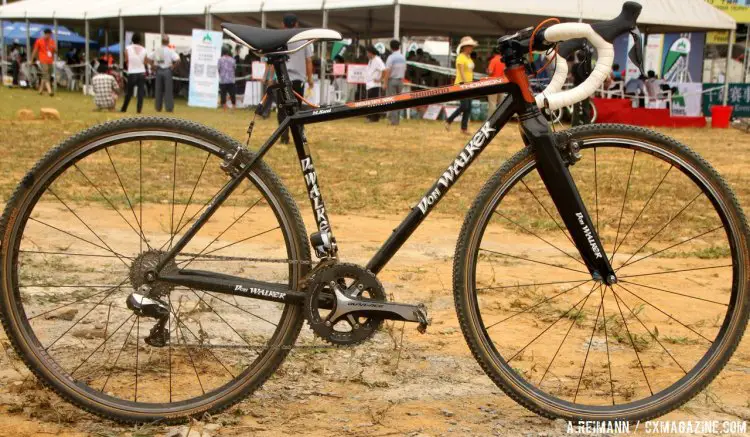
(495, 69)
(44, 49)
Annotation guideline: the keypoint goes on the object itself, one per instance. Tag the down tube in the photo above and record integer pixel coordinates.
(432, 197)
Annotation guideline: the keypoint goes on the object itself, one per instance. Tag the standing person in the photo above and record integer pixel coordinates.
(299, 66)
(393, 77)
(375, 68)
(105, 88)
(44, 50)
(496, 69)
(135, 58)
(464, 74)
(226, 77)
(15, 62)
(164, 59)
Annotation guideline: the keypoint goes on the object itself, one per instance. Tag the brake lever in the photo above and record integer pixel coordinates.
(636, 52)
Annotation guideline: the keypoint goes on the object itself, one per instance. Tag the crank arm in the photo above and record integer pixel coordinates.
(385, 310)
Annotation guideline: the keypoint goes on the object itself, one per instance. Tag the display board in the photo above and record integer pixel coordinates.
(204, 68)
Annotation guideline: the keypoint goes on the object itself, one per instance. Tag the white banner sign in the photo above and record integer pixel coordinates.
(688, 100)
(356, 73)
(204, 68)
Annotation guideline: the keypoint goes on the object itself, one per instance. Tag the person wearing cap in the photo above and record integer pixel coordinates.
(299, 66)
(374, 76)
(44, 50)
(464, 74)
(164, 59)
(393, 77)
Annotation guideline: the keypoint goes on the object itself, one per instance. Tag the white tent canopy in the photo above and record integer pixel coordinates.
(376, 17)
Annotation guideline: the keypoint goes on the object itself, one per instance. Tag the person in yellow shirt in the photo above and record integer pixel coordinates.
(464, 74)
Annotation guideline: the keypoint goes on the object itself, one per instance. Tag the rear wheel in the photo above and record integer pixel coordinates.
(86, 224)
(566, 346)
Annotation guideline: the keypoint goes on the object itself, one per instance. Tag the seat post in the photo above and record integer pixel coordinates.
(288, 100)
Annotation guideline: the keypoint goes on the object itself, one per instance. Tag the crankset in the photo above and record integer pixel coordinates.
(355, 305)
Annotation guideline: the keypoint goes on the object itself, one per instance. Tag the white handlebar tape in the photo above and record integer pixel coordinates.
(558, 79)
(605, 57)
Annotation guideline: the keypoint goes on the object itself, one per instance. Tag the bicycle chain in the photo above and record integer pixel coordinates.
(262, 260)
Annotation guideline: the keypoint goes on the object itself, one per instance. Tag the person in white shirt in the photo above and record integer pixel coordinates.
(135, 58)
(164, 59)
(374, 76)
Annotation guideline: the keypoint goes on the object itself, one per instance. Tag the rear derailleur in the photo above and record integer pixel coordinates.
(144, 306)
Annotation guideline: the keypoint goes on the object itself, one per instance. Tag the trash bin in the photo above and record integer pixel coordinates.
(720, 116)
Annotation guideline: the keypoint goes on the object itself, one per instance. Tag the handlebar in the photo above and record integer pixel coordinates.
(600, 35)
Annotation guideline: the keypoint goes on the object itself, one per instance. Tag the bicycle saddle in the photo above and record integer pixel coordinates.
(272, 40)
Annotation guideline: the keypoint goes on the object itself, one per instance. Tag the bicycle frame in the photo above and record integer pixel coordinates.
(519, 100)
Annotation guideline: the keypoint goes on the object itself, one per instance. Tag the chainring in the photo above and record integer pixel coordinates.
(355, 282)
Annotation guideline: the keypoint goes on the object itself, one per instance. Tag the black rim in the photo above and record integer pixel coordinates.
(631, 288)
(134, 326)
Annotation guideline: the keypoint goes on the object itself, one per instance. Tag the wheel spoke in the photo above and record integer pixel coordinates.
(617, 297)
(671, 247)
(240, 308)
(588, 348)
(583, 299)
(622, 210)
(174, 186)
(534, 284)
(117, 358)
(573, 322)
(106, 339)
(539, 303)
(84, 316)
(85, 224)
(665, 313)
(41, 252)
(673, 271)
(192, 193)
(137, 232)
(124, 191)
(199, 255)
(224, 231)
(548, 213)
(645, 205)
(187, 348)
(632, 343)
(672, 292)
(679, 213)
(110, 287)
(537, 236)
(534, 261)
(117, 255)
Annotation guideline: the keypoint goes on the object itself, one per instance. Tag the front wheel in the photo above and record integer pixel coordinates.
(83, 230)
(566, 346)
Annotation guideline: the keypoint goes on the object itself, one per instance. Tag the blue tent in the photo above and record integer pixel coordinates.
(15, 32)
(114, 49)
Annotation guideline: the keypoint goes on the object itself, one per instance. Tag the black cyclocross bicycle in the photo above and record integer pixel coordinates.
(155, 269)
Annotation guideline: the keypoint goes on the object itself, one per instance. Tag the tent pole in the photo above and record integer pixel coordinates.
(744, 58)
(161, 24)
(28, 43)
(54, 63)
(2, 50)
(263, 19)
(323, 62)
(396, 20)
(87, 68)
(726, 70)
(121, 37)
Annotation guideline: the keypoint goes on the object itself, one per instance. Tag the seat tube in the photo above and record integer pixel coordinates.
(291, 106)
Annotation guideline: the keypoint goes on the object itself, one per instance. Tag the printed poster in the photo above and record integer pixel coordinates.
(356, 73)
(204, 68)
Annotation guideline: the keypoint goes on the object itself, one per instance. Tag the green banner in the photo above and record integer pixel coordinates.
(739, 97)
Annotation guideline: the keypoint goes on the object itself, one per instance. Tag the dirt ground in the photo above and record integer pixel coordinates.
(411, 384)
